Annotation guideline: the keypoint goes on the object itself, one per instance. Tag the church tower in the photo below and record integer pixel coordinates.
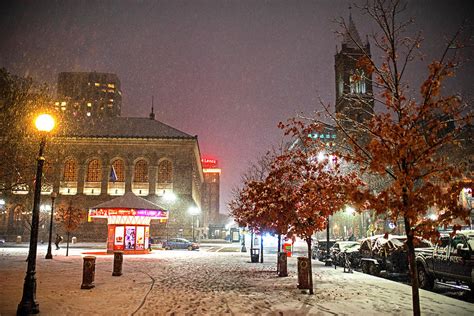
(354, 96)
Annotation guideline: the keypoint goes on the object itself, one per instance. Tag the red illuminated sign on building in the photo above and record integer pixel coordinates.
(209, 163)
(127, 212)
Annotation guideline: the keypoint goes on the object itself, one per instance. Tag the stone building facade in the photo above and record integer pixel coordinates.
(87, 165)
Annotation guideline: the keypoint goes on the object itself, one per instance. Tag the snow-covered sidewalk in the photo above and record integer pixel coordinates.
(200, 282)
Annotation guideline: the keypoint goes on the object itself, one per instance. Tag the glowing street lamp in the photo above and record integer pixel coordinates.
(193, 211)
(44, 124)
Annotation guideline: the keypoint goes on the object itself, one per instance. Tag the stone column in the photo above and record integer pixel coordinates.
(152, 179)
(105, 177)
(128, 177)
(81, 177)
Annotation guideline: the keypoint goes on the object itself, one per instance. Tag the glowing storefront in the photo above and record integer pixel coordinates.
(128, 221)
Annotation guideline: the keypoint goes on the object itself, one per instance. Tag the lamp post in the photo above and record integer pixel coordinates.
(193, 211)
(48, 253)
(28, 305)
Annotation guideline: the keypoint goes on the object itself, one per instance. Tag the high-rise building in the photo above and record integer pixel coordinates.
(210, 195)
(89, 94)
(354, 96)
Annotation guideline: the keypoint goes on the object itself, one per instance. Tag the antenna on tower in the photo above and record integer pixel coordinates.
(152, 114)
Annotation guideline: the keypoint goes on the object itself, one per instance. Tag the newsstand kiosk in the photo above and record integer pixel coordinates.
(128, 222)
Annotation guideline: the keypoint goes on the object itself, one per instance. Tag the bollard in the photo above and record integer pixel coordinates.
(282, 265)
(18, 239)
(74, 240)
(303, 273)
(118, 260)
(88, 272)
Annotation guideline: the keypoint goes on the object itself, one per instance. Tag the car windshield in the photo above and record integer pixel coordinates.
(352, 246)
(470, 242)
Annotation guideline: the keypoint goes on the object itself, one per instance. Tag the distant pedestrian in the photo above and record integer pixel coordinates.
(58, 240)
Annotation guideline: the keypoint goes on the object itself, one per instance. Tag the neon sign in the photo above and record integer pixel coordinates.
(157, 214)
(208, 163)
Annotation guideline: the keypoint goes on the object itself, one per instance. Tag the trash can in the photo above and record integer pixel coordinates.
(18, 239)
(282, 265)
(74, 240)
(88, 272)
(254, 254)
(303, 273)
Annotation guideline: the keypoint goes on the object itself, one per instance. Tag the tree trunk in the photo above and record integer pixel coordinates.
(261, 248)
(413, 269)
(67, 244)
(310, 267)
(251, 245)
(278, 253)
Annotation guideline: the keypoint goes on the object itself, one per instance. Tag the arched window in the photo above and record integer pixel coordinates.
(119, 168)
(70, 174)
(93, 171)
(357, 82)
(165, 172)
(141, 171)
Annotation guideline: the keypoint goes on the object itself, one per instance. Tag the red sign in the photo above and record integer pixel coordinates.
(209, 163)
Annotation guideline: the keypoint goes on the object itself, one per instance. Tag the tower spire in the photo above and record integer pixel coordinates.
(152, 114)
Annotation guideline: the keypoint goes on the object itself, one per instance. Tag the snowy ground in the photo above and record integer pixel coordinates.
(205, 282)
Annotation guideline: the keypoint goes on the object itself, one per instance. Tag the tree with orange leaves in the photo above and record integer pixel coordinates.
(313, 182)
(70, 219)
(410, 142)
(299, 193)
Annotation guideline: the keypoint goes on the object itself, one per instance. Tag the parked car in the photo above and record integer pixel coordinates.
(180, 243)
(387, 253)
(319, 249)
(2, 241)
(339, 248)
(451, 259)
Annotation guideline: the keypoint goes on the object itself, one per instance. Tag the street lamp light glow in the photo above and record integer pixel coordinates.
(194, 210)
(44, 123)
(321, 156)
(169, 197)
(350, 209)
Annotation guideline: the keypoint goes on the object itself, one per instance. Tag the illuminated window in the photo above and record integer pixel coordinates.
(56, 103)
(111, 85)
(69, 174)
(111, 100)
(88, 113)
(89, 104)
(165, 172)
(97, 84)
(63, 108)
(141, 171)
(357, 82)
(63, 103)
(119, 168)
(94, 171)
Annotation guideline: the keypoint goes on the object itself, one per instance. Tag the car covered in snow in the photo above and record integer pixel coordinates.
(179, 243)
(319, 249)
(451, 259)
(387, 253)
(342, 248)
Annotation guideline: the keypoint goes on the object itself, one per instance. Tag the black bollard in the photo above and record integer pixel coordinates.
(88, 272)
(303, 273)
(118, 260)
(282, 265)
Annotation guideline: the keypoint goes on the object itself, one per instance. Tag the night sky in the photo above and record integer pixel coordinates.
(227, 71)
